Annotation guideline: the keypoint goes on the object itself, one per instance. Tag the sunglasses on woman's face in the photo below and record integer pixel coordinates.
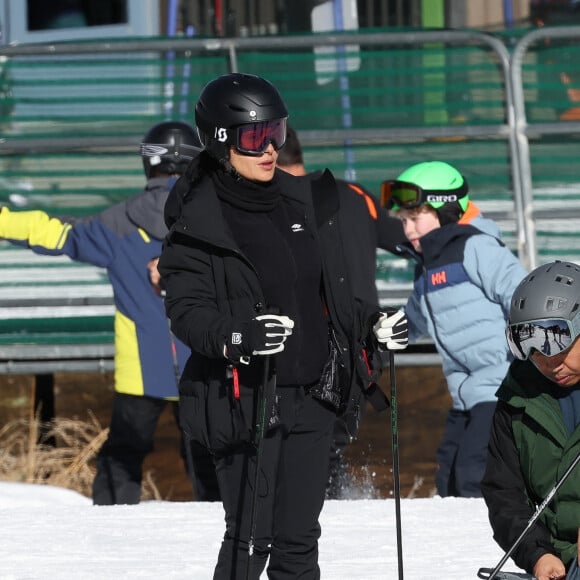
(254, 138)
(550, 336)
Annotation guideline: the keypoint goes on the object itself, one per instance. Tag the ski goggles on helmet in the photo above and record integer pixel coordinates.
(254, 138)
(549, 336)
(398, 195)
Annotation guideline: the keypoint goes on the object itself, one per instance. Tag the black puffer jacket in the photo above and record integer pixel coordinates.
(211, 285)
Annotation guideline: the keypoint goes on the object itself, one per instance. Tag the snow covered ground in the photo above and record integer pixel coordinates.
(55, 534)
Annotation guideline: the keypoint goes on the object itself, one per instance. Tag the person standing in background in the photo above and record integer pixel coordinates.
(366, 226)
(124, 239)
(464, 280)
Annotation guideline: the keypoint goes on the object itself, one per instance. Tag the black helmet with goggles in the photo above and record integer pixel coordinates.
(240, 110)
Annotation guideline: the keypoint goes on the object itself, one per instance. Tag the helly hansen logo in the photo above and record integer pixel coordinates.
(443, 276)
(438, 278)
(236, 338)
(297, 228)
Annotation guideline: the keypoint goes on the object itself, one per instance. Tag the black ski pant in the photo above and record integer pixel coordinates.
(291, 489)
(462, 454)
(131, 433)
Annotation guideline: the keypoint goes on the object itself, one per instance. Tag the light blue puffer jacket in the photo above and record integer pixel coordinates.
(463, 285)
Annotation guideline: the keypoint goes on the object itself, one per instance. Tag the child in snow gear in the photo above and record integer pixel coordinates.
(536, 425)
(124, 239)
(245, 236)
(463, 284)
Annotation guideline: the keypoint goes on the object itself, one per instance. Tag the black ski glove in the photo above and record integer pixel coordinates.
(263, 335)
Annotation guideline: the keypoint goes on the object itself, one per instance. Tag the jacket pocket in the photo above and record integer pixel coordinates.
(212, 415)
(228, 417)
(192, 419)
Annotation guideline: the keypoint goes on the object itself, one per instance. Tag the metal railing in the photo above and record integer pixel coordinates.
(524, 131)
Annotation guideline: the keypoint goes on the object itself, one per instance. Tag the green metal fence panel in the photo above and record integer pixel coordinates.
(546, 77)
(73, 184)
(434, 85)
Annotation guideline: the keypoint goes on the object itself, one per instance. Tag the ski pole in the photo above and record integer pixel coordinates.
(177, 373)
(266, 389)
(488, 573)
(395, 445)
(186, 439)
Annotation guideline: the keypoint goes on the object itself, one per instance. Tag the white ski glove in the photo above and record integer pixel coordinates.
(276, 330)
(391, 329)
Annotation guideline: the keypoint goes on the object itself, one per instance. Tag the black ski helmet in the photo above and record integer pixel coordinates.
(549, 291)
(168, 147)
(232, 100)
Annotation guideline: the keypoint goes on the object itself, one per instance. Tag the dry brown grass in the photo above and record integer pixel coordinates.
(60, 453)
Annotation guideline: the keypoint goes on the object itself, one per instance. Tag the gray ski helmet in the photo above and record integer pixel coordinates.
(549, 291)
(168, 147)
(232, 100)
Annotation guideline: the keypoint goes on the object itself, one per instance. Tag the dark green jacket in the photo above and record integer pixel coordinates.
(530, 449)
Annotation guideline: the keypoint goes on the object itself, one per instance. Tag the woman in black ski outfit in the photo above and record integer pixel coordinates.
(253, 269)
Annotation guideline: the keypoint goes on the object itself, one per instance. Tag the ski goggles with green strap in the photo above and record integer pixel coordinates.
(549, 336)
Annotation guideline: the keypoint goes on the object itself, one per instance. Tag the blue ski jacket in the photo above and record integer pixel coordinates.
(122, 239)
(463, 284)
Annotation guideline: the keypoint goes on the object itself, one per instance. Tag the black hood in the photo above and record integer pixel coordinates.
(202, 165)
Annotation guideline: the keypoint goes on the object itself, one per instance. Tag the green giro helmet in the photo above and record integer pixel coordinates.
(441, 183)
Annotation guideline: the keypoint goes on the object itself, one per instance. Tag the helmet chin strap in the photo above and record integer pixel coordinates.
(220, 152)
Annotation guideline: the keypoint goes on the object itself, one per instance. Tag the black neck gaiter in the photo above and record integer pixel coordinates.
(245, 194)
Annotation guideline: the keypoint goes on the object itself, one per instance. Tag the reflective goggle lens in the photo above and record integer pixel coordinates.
(400, 194)
(254, 138)
(549, 337)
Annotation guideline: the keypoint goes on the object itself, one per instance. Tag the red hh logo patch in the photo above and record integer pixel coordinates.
(438, 278)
